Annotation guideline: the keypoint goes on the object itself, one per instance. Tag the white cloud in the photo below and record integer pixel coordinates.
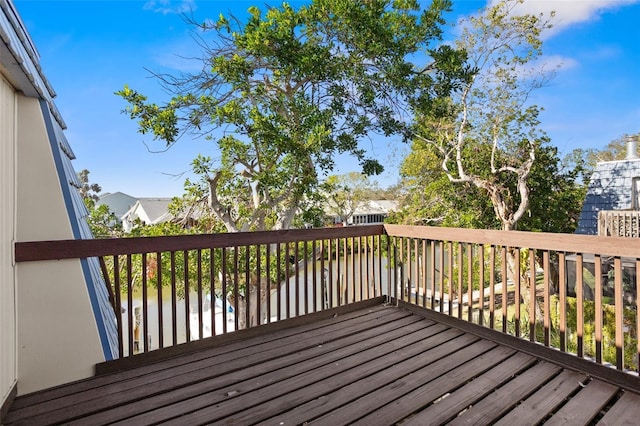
(166, 7)
(568, 12)
(558, 63)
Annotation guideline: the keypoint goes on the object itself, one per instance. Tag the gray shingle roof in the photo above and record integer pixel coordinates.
(610, 188)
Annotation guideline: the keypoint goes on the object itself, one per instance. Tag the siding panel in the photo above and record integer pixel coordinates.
(8, 371)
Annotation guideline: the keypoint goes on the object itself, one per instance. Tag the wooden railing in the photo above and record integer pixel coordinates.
(171, 290)
(619, 223)
(573, 292)
(585, 287)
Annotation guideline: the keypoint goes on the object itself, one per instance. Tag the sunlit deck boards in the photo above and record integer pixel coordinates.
(376, 365)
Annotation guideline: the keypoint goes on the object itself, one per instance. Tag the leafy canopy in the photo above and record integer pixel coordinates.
(486, 134)
(283, 93)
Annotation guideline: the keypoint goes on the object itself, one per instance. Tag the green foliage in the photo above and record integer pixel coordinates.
(608, 330)
(292, 88)
(430, 198)
(481, 161)
(485, 135)
(88, 191)
(586, 159)
(555, 199)
(102, 222)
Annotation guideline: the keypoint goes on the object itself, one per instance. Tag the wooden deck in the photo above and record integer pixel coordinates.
(372, 366)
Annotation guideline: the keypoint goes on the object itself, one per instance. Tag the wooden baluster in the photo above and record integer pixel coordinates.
(259, 285)
(481, 284)
(492, 287)
(637, 271)
(200, 295)
(130, 313)
(432, 269)
(517, 297)
(296, 260)
(562, 311)
(505, 285)
(287, 279)
(145, 305)
(314, 283)
(187, 305)
(236, 288)
(450, 258)
(547, 298)
(225, 308)
(160, 313)
(118, 296)
(532, 295)
(619, 309)
(598, 307)
(579, 305)
(247, 286)
(279, 283)
(212, 290)
(469, 282)
(268, 273)
(460, 275)
(174, 299)
(441, 275)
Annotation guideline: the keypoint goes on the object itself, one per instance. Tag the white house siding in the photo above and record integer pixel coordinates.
(60, 323)
(611, 187)
(8, 364)
(58, 340)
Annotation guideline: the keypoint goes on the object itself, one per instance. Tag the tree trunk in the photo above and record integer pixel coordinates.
(526, 290)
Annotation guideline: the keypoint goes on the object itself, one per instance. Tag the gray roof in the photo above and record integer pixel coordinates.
(610, 188)
(156, 209)
(119, 202)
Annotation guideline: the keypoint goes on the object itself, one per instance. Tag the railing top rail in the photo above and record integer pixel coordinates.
(572, 243)
(72, 249)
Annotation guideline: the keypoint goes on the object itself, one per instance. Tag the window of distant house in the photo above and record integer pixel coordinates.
(635, 193)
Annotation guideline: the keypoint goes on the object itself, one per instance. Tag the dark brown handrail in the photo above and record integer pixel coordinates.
(73, 249)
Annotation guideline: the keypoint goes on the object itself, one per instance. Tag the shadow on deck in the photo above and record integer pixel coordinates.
(367, 363)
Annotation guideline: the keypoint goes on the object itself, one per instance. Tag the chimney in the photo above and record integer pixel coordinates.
(632, 148)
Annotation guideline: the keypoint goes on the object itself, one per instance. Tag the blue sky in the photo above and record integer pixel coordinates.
(91, 48)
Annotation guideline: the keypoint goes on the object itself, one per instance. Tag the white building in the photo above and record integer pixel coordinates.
(369, 213)
(56, 321)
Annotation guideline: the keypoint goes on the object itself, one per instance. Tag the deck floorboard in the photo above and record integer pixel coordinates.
(626, 411)
(585, 405)
(376, 365)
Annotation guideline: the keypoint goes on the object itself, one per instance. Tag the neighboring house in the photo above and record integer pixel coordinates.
(52, 330)
(119, 203)
(614, 185)
(149, 211)
(370, 212)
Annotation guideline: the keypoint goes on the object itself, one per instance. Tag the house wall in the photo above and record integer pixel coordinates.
(8, 363)
(58, 340)
(613, 186)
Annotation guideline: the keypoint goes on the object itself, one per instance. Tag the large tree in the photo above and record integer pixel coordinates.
(486, 134)
(490, 114)
(283, 93)
(555, 185)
